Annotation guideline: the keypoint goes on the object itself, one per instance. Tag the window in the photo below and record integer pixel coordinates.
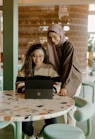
(91, 23)
(91, 35)
(91, 18)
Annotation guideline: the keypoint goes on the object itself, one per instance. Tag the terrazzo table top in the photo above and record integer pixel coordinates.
(14, 107)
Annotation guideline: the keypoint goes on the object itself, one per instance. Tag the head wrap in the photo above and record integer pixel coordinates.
(52, 53)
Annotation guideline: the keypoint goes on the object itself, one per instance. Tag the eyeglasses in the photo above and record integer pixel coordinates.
(37, 56)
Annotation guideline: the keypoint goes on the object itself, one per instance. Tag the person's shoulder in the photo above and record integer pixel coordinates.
(68, 45)
(48, 65)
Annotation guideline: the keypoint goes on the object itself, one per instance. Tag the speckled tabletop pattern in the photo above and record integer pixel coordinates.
(14, 107)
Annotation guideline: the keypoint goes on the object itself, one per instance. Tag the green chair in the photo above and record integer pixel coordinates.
(84, 112)
(91, 84)
(5, 124)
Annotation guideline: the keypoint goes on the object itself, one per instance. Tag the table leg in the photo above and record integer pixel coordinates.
(93, 95)
(19, 130)
(83, 91)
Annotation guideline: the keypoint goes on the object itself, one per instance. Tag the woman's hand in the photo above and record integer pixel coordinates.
(63, 92)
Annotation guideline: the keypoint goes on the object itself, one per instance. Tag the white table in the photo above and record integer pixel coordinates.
(13, 107)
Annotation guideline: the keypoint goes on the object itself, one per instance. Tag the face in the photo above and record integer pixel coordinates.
(38, 57)
(54, 38)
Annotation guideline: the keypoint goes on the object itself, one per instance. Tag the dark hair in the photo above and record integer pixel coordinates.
(50, 31)
(28, 66)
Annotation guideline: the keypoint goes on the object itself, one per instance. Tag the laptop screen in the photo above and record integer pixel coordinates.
(39, 87)
(39, 82)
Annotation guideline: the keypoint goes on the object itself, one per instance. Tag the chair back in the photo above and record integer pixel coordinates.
(84, 112)
(85, 109)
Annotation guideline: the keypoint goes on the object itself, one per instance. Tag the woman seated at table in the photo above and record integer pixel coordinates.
(36, 63)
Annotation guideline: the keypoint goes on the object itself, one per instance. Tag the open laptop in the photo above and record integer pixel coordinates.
(39, 87)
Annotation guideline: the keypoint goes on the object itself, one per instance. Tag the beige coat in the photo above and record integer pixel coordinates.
(68, 69)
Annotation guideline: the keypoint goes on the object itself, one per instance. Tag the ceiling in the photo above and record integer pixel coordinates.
(38, 2)
(50, 2)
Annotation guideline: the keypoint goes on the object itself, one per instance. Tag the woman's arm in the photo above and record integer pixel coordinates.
(20, 83)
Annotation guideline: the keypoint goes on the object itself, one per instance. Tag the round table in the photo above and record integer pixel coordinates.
(13, 107)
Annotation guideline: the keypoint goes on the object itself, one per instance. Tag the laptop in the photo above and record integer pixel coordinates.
(39, 87)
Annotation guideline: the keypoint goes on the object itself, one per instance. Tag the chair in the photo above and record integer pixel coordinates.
(84, 112)
(5, 124)
(91, 84)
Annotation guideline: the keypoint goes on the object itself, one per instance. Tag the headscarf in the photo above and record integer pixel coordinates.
(52, 53)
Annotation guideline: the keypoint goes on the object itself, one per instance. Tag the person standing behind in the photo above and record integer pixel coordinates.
(36, 63)
(63, 56)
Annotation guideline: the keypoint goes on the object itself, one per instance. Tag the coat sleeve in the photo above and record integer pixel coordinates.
(69, 71)
(66, 64)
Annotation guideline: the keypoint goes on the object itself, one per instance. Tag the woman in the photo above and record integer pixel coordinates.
(35, 64)
(63, 56)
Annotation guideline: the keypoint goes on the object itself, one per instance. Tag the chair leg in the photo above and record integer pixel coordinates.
(83, 91)
(89, 127)
(65, 118)
(93, 95)
(24, 136)
(14, 129)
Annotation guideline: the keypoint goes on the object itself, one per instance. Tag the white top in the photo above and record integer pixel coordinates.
(44, 70)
